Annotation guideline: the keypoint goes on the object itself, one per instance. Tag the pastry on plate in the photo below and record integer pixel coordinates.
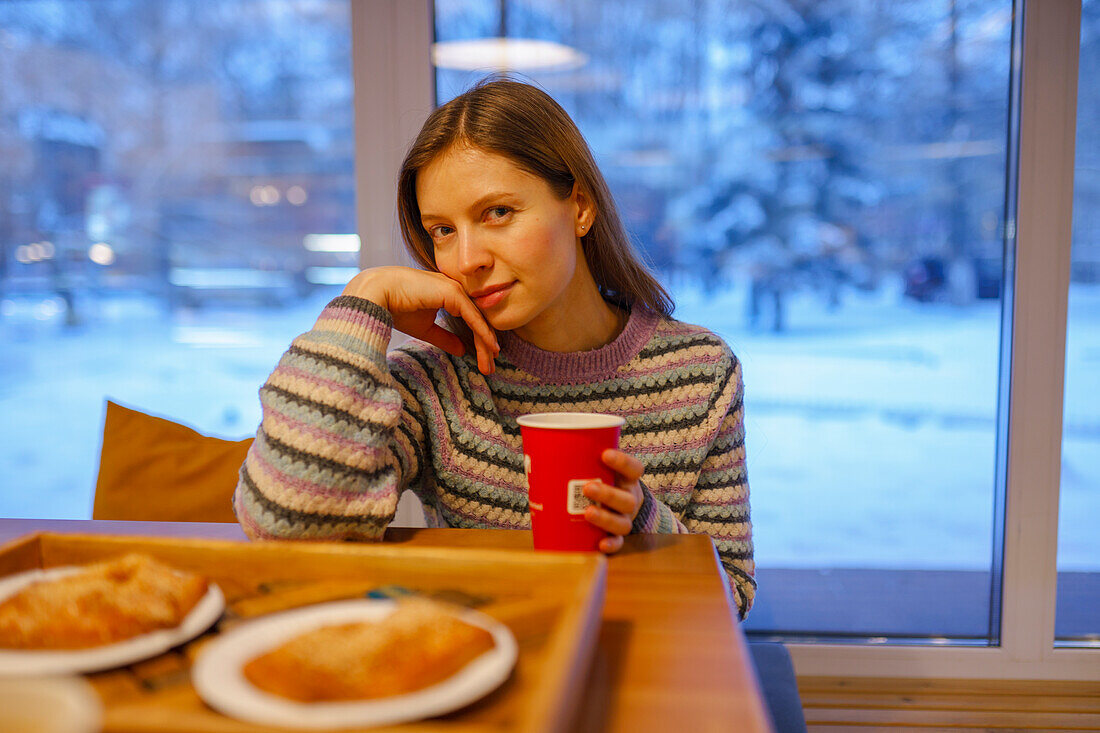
(100, 604)
(419, 644)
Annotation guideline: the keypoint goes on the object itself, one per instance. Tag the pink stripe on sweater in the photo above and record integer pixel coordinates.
(483, 521)
(447, 454)
(679, 328)
(501, 378)
(354, 316)
(741, 537)
(643, 450)
(453, 391)
(303, 487)
(371, 455)
(670, 366)
(302, 377)
(455, 469)
(731, 503)
(643, 410)
(249, 525)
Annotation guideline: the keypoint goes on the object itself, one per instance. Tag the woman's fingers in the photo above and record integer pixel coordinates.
(414, 297)
(628, 468)
(607, 520)
(616, 506)
(620, 500)
(485, 339)
(444, 339)
(612, 544)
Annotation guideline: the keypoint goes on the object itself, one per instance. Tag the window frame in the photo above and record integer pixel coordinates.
(395, 91)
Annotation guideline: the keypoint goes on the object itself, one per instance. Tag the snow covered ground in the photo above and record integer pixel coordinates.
(871, 429)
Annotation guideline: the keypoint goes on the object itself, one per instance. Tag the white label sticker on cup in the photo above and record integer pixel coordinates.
(577, 500)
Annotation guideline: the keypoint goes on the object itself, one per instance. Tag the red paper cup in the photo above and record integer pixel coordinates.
(561, 453)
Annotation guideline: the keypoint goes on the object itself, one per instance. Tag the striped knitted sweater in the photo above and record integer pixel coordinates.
(346, 429)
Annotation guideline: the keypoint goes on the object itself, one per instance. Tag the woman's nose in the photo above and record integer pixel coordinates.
(473, 255)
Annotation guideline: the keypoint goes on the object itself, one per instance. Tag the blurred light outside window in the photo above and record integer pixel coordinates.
(824, 185)
(1077, 620)
(165, 165)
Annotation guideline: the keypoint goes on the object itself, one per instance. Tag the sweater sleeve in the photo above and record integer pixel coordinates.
(337, 442)
(719, 504)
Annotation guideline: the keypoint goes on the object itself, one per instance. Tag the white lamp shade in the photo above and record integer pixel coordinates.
(506, 54)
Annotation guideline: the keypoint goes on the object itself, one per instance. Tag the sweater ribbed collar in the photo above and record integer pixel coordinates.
(577, 366)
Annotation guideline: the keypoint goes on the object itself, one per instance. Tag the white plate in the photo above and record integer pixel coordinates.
(72, 661)
(219, 680)
(57, 704)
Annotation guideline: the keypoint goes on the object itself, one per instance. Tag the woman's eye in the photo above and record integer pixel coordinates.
(498, 212)
(439, 232)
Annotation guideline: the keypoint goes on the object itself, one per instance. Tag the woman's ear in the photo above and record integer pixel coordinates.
(585, 210)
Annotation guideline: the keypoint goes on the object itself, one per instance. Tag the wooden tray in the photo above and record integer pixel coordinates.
(550, 601)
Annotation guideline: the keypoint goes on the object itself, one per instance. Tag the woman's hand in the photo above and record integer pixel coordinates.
(619, 504)
(414, 297)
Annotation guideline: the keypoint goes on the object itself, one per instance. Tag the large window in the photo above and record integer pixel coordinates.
(1078, 620)
(820, 182)
(824, 185)
(166, 170)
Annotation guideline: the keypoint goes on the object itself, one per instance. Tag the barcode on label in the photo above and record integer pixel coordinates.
(577, 500)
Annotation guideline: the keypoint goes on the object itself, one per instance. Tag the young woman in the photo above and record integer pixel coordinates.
(548, 309)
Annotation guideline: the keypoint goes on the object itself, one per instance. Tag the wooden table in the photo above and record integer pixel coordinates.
(671, 656)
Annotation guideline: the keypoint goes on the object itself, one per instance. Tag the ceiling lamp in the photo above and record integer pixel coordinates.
(505, 54)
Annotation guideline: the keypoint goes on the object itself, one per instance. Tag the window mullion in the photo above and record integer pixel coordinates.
(394, 93)
(1043, 227)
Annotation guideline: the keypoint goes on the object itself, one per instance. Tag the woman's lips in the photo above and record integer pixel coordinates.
(493, 296)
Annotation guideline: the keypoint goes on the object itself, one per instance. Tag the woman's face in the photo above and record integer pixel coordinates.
(501, 233)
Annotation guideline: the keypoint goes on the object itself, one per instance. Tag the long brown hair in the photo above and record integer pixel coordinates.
(525, 125)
